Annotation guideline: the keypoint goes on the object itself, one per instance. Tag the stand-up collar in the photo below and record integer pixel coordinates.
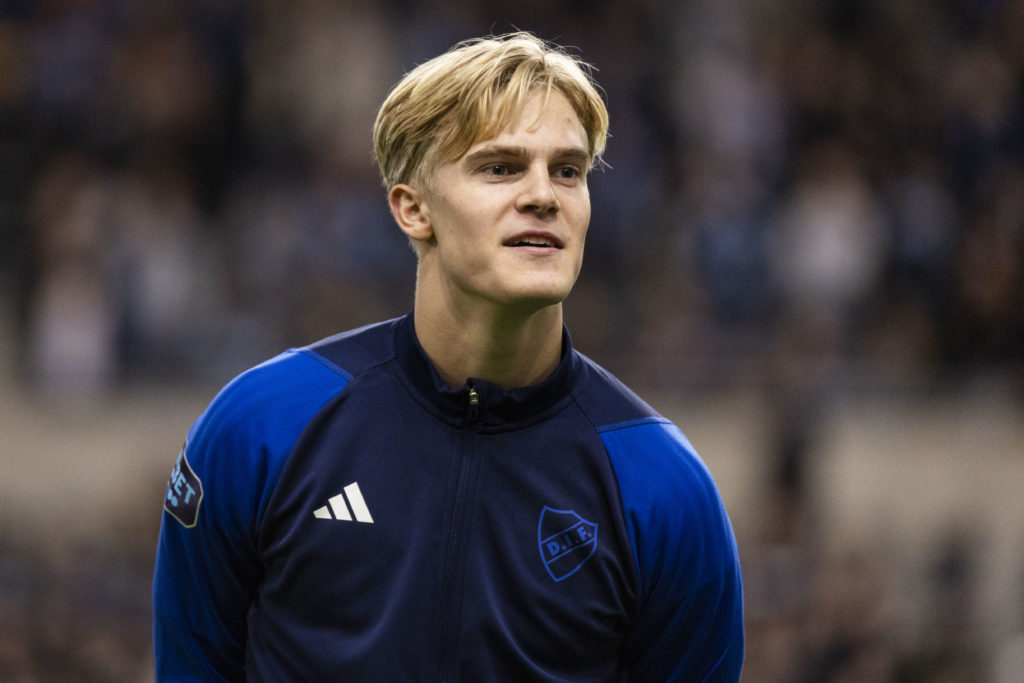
(498, 407)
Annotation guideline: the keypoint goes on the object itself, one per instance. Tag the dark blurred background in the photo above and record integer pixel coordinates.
(808, 250)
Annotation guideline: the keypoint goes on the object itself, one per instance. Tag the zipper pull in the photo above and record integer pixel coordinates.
(474, 402)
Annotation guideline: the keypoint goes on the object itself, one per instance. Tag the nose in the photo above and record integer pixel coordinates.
(538, 194)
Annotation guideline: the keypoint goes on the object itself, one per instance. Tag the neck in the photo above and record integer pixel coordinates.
(509, 349)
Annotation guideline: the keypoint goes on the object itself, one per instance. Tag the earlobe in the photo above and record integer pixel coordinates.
(410, 212)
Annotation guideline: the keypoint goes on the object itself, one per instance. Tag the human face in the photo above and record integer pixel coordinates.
(508, 219)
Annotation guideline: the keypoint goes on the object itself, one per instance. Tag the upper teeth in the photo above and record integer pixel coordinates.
(535, 242)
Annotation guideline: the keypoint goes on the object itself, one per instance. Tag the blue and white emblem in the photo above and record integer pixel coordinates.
(565, 540)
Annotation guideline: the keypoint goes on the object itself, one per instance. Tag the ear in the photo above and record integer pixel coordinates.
(410, 212)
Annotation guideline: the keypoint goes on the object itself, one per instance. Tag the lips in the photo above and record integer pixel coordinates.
(534, 239)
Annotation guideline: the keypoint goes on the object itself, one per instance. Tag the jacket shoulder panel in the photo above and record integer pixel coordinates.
(234, 456)
(691, 626)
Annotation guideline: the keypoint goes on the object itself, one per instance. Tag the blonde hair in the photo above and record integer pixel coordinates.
(468, 94)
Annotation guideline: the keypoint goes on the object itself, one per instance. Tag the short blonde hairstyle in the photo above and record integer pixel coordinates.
(468, 94)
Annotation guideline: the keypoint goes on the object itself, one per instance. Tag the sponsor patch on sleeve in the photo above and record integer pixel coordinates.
(184, 492)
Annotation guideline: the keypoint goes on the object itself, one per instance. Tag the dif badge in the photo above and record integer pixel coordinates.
(565, 541)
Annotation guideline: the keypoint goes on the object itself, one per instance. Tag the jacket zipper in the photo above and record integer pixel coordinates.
(473, 405)
(451, 602)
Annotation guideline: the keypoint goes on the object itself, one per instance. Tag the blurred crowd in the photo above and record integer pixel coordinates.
(188, 186)
(799, 195)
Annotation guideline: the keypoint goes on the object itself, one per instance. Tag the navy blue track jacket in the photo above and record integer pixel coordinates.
(339, 514)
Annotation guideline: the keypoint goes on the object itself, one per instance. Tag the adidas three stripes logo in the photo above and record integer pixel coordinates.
(340, 508)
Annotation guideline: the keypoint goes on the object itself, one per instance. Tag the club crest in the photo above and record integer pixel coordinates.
(565, 541)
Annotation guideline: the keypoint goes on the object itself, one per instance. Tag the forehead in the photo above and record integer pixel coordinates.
(547, 120)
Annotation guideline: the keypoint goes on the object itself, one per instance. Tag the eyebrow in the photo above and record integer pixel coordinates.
(488, 151)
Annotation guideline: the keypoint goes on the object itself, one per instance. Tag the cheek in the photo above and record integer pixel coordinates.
(460, 240)
(448, 220)
(581, 218)
(579, 202)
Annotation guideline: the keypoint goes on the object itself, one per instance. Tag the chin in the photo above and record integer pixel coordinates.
(536, 299)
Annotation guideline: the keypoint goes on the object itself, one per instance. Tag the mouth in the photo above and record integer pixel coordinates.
(539, 240)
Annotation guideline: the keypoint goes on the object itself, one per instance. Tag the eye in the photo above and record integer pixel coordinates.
(497, 169)
(567, 172)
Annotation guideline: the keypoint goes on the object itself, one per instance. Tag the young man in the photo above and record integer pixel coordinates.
(456, 494)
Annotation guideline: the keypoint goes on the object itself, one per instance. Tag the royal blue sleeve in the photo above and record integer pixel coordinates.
(690, 622)
(207, 565)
